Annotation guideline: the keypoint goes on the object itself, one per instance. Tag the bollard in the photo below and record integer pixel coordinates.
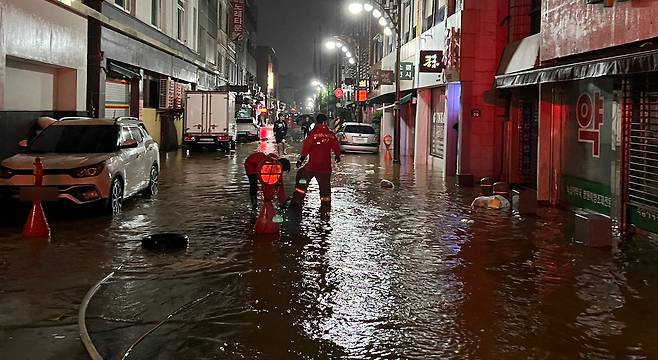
(270, 173)
(388, 140)
(486, 186)
(502, 189)
(36, 225)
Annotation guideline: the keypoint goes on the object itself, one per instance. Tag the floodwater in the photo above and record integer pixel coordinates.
(409, 273)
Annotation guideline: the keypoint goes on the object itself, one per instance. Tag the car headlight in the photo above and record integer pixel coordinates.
(88, 171)
(6, 173)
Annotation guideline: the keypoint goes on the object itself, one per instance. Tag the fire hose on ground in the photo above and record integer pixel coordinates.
(84, 334)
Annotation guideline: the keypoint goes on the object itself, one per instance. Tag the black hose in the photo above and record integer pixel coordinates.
(174, 313)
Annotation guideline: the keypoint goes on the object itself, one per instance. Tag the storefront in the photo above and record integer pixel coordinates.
(597, 136)
(639, 111)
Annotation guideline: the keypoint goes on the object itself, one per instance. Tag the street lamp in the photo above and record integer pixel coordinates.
(355, 8)
(388, 28)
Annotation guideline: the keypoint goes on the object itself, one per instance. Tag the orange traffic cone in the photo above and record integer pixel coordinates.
(265, 223)
(36, 225)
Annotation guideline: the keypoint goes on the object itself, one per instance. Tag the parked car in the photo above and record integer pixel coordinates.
(357, 137)
(87, 161)
(247, 130)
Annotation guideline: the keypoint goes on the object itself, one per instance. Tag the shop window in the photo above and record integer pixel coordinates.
(220, 16)
(440, 11)
(156, 5)
(535, 17)
(406, 22)
(151, 93)
(124, 4)
(180, 20)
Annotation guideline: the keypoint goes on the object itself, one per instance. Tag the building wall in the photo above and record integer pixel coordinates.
(571, 27)
(483, 40)
(47, 35)
(43, 67)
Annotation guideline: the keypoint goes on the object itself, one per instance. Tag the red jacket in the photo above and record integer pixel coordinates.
(318, 146)
(251, 165)
(253, 161)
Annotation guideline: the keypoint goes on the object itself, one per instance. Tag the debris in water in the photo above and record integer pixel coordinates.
(386, 184)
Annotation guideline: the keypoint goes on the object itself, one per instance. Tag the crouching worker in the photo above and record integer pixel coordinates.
(318, 147)
(252, 165)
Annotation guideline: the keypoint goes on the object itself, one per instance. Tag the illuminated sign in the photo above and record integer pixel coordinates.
(606, 3)
(431, 61)
(384, 77)
(589, 113)
(407, 71)
(362, 95)
(237, 20)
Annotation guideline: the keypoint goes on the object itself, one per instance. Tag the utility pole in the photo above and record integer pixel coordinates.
(397, 117)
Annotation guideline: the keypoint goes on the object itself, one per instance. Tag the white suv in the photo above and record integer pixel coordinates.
(85, 161)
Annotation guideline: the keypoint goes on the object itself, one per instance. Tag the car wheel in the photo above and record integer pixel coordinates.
(154, 177)
(115, 200)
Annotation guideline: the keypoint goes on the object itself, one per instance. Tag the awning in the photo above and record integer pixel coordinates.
(520, 56)
(388, 98)
(405, 99)
(121, 72)
(641, 62)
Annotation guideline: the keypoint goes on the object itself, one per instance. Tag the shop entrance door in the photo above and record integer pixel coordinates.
(528, 144)
(640, 155)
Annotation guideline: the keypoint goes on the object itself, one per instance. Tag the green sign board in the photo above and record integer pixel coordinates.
(644, 219)
(407, 71)
(587, 194)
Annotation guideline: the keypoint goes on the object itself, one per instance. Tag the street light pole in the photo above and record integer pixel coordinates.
(398, 48)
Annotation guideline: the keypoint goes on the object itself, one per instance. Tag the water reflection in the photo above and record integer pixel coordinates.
(409, 272)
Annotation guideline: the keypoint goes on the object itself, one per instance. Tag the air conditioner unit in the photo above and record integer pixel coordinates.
(167, 92)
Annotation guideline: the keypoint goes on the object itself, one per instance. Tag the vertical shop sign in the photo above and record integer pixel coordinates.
(407, 71)
(589, 113)
(237, 20)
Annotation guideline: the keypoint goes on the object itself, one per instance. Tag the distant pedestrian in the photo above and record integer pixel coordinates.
(318, 147)
(280, 133)
(306, 126)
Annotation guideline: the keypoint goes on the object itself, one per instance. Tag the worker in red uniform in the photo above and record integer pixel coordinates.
(251, 167)
(318, 147)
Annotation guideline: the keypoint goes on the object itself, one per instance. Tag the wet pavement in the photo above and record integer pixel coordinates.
(408, 273)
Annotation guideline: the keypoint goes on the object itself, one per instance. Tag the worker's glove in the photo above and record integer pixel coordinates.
(337, 158)
(300, 161)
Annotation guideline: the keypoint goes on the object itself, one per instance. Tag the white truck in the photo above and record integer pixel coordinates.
(210, 120)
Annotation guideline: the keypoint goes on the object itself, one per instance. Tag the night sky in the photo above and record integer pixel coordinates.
(289, 26)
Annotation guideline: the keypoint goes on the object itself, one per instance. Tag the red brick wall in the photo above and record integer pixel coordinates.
(519, 17)
(571, 26)
(484, 37)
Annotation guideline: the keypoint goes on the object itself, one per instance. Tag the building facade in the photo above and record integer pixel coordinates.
(595, 88)
(449, 57)
(110, 58)
(43, 67)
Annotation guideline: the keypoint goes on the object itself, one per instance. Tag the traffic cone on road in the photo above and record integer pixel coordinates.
(37, 225)
(265, 223)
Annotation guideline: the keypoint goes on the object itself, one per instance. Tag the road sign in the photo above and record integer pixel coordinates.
(339, 93)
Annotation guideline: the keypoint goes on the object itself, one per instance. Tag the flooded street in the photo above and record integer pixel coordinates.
(408, 273)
